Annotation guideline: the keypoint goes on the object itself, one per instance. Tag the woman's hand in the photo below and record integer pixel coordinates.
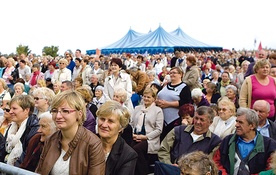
(139, 138)
(162, 104)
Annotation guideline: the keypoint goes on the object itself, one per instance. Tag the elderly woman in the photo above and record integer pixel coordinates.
(171, 97)
(224, 124)
(23, 127)
(147, 121)
(197, 162)
(4, 93)
(99, 98)
(186, 112)
(10, 73)
(258, 86)
(118, 79)
(46, 128)
(120, 157)
(5, 120)
(232, 94)
(19, 89)
(36, 75)
(240, 76)
(74, 149)
(199, 98)
(192, 77)
(90, 122)
(62, 73)
(43, 98)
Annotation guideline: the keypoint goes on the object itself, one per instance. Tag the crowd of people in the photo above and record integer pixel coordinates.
(196, 112)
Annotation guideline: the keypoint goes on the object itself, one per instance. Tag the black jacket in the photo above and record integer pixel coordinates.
(121, 160)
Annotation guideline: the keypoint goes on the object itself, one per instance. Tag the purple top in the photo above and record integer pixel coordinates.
(90, 122)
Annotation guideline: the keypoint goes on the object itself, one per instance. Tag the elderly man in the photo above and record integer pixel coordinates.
(266, 127)
(140, 78)
(185, 139)
(246, 151)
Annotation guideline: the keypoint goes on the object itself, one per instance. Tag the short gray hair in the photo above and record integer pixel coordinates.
(197, 92)
(250, 115)
(234, 88)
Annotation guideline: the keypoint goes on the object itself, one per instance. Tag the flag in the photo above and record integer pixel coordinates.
(260, 46)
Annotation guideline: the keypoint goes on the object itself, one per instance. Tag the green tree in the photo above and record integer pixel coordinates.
(23, 49)
(52, 50)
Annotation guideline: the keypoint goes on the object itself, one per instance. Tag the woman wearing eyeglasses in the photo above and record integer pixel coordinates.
(171, 97)
(224, 124)
(73, 149)
(23, 127)
(43, 98)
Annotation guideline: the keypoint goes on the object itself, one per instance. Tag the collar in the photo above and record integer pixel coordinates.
(73, 144)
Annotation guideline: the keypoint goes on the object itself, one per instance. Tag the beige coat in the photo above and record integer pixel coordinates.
(154, 120)
(191, 78)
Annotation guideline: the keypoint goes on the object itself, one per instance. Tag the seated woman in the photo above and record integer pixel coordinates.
(43, 98)
(224, 124)
(78, 82)
(211, 93)
(46, 128)
(73, 149)
(232, 94)
(5, 120)
(120, 95)
(120, 157)
(187, 112)
(197, 162)
(99, 98)
(19, 89)
(23, 127)
(90, 122)
(147, 121)
(199, 98)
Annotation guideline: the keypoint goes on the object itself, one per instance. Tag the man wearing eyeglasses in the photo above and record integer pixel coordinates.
(62, 73)
(246, 151)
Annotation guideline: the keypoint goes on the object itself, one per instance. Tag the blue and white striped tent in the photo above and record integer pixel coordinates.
(158, 41)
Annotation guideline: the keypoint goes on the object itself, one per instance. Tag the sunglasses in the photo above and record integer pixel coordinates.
(6, 109)
(36, 98)
(222, 109)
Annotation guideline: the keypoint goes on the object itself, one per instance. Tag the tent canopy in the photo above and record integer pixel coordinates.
(158, 41)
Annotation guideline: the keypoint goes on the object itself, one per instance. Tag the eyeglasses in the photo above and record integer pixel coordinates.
(61, 63)
(62, 111)
(222, 109)
(6, 109)
(37, 98)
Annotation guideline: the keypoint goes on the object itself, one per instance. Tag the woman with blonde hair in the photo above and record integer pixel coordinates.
(90, 122)
(62, 73)
(19, 89)
(5, 95)
(119, 156)
(197, 162)
(224, 124)
(260, 85)
(73, 149)
(10, 73)
(147, 121)
(43, 98)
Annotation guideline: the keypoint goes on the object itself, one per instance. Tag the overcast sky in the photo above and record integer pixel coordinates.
(89, 24)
